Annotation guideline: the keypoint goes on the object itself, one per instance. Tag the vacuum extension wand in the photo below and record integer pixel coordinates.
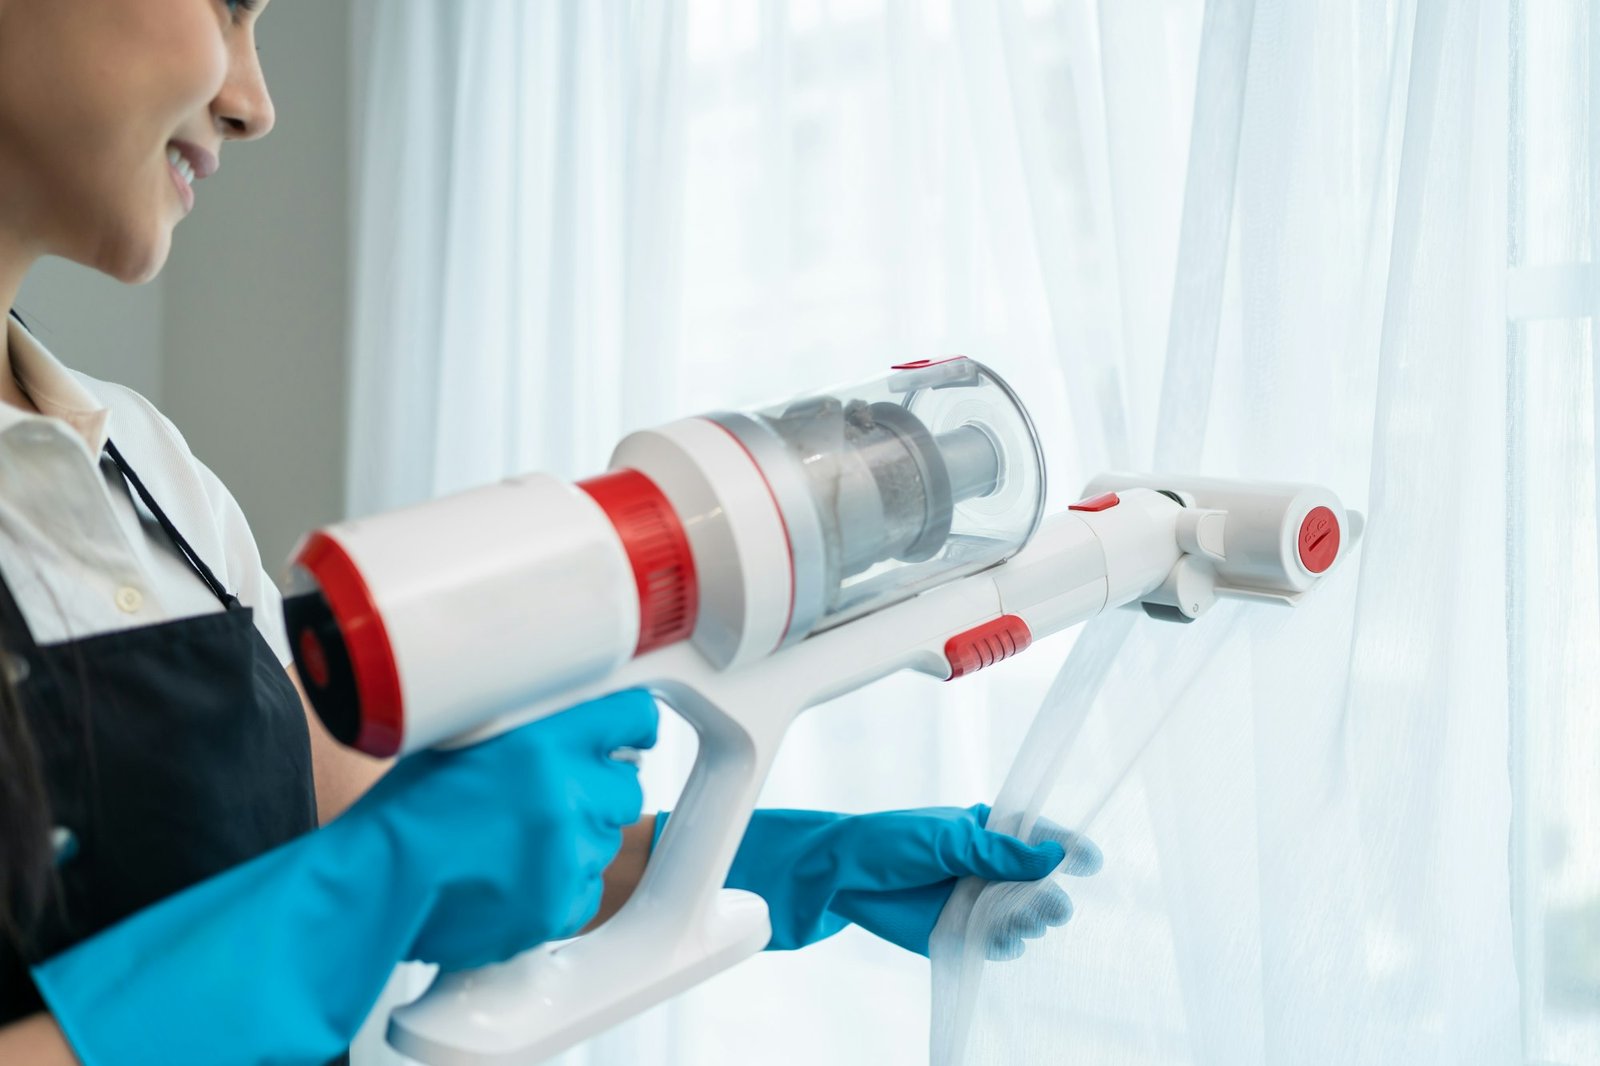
(744, 567)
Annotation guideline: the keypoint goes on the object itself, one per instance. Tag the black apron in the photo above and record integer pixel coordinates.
(170, 753)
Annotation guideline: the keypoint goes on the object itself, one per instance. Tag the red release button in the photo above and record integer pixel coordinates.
(986, 645)
(1098, 503)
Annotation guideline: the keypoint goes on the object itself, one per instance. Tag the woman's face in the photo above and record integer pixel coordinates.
(93, 96)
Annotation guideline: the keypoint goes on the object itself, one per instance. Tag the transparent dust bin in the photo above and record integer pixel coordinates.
(896, 485)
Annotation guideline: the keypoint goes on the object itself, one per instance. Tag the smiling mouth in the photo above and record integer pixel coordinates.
(181, 165)
(181, 171)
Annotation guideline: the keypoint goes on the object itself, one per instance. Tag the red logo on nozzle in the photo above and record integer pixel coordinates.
(1319, 540)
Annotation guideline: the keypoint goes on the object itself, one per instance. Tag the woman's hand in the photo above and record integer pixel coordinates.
(36, 1040)
(892, 873)
(461, 858)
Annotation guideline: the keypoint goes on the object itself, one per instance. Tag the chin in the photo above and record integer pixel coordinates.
(135, 260)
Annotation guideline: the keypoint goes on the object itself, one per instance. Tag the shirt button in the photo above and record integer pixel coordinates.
(64, 842)
(129, 599)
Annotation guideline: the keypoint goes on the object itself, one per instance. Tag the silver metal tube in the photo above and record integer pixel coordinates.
(973, 462)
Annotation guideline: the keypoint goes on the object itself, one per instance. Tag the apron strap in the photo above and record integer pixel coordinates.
(228, 599)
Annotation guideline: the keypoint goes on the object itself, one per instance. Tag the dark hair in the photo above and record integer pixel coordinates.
(26, 862)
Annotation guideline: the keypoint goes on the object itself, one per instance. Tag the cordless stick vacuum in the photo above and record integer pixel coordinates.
(744, 567)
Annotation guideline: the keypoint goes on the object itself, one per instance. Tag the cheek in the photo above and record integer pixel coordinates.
(87, 107)
(170, 67)
(104, 68)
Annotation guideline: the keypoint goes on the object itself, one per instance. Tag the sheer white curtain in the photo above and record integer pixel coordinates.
(1263, 239)
(1328, 833)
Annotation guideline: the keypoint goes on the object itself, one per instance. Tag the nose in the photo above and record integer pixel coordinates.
(243, 108)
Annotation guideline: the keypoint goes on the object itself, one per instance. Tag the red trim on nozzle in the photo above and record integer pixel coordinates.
(658, 551)
(366, 641)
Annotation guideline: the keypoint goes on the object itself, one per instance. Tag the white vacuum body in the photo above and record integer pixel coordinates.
(744, 567)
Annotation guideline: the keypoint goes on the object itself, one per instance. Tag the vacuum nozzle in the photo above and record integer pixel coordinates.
(1271, 541)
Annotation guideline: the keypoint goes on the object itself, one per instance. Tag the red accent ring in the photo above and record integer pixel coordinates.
(1319, 540)
(972, 650)
(658, 551)
(365, 639)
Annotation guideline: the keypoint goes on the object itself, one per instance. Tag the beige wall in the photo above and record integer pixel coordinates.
(97, 325)
(256, 293)
(242, 340)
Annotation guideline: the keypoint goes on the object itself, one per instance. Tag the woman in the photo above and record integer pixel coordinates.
(163, 897)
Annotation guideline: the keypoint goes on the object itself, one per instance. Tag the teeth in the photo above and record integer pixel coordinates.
(181, 164)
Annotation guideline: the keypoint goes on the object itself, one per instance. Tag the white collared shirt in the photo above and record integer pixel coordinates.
(80, 552)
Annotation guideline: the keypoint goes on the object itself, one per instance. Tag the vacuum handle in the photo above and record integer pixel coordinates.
(678, 928)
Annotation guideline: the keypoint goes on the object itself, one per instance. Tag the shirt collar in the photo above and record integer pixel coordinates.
(54, 391)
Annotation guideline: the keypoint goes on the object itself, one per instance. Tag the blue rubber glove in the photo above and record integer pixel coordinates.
(461, 858)
(892, 873)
